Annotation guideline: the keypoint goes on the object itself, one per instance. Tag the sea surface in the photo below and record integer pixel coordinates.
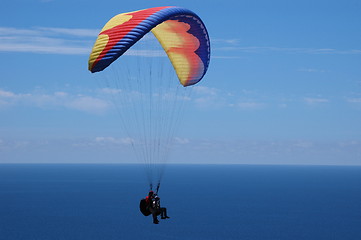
(95, 202)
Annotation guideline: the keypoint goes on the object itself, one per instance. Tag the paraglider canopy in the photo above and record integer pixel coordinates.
(180, 31)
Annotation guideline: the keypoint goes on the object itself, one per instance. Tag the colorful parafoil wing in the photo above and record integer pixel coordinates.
(180, 31)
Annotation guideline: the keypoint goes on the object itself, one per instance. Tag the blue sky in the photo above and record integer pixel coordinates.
(283, 86)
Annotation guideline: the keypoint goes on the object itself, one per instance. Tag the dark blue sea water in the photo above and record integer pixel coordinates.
(204, 201)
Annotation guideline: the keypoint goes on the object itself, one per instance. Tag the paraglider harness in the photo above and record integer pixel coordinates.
(154, 204)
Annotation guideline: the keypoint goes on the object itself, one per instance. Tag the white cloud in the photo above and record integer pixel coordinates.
(225, 41)
(282, 105)
(71, 31)
(350, 143)
(311, 70)
(6, 94)
(61, 94)
(234, 45)
(205, 90)
(316, 100)
(88, 104)
(44, 45)
(38, 47)
(226, 57)
(206, 97)
(257, 49)
(13, 33)
(110, 91)
(181, 140)
(82, 103)
(250, 105)
(220, 151)
(303, 144)
(354, 100)
(68, 41)
(112, 140)
(273, 152)
(47, 40)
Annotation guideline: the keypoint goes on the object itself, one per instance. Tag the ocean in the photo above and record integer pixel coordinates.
(95, 202)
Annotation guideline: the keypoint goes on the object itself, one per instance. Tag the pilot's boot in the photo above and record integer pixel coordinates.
(164, 213)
